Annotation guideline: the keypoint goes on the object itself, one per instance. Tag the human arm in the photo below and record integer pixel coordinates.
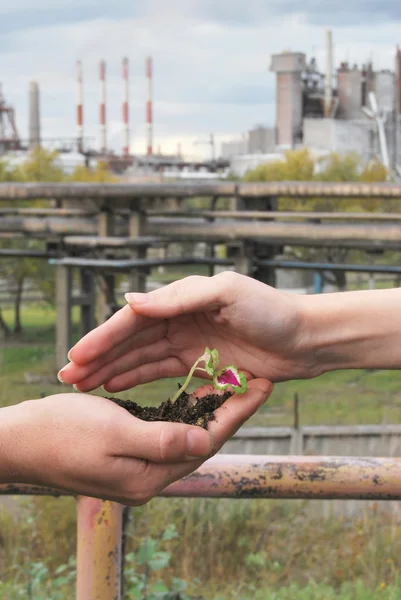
(354, 330)
(263, 331)
(88, 445)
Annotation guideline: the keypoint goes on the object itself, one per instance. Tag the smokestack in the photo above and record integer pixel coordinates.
(126, 107)
(103, 133)
(34, 115)
(398, 79)
(80, 109)
(149, 105)
(328, 86)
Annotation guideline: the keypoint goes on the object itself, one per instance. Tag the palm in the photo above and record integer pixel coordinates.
(190, 334)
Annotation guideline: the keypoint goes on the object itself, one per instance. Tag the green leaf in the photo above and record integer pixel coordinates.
(211, 361)
(60, 569)
(147, 551)
(170, 533)
(230, 377)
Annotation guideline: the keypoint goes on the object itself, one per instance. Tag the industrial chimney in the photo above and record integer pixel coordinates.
(34, 115)
(288, 67)
(328, 84)
(103, 132)
(149, 105)
(126, 146)
(80, 109)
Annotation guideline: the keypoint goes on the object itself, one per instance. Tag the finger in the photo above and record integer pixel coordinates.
(124, 364)
(237, 410)
(110, 334)
(170, 367)
(191, 294)
(90, 378)
(73, 373)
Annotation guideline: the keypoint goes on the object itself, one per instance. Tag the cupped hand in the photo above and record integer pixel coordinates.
(162, 333)
(88, 445)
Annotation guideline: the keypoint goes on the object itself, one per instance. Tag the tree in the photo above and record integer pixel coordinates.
(299, 165)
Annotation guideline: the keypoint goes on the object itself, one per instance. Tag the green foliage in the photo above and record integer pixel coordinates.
(100, 174)
(142, 579)
(299, 165)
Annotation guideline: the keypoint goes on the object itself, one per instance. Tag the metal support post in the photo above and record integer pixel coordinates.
(99, 549)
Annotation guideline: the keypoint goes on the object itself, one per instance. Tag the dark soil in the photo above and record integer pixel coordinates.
(186, 409)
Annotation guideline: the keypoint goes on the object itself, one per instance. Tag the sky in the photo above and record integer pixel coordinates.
(211, 60)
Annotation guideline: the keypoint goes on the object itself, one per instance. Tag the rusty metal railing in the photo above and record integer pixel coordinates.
(100, 524)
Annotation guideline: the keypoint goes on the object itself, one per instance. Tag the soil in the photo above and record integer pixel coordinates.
(186, 409)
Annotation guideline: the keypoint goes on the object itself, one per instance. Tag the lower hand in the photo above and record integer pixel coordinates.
(88, 445)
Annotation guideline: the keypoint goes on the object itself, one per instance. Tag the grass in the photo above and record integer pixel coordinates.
(225, 549)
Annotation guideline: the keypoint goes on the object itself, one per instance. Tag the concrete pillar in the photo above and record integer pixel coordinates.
(263, 251)
(88, 306)
(63, 314)
(136, 229)
(106, 229)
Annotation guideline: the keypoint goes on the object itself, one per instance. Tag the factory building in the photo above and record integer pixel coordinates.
(356, 109)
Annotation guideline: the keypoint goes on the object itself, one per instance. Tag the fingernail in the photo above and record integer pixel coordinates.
(60, 377)
(75, 387)
(136, 298)
(69, 353)
(199, 443)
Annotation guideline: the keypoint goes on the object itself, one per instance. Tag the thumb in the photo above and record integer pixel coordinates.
(164, 442)
(191, 294)
(238, 409)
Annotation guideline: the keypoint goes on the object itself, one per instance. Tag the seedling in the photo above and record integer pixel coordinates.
(227, 377)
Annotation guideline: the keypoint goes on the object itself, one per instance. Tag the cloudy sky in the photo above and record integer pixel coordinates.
(211, 59)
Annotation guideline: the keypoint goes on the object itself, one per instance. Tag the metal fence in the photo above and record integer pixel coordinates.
(100, 524)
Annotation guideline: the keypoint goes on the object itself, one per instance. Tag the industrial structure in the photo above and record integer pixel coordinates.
(350, 108)
(34, 115)
(81, 150)
(356, 109)
(9, 138)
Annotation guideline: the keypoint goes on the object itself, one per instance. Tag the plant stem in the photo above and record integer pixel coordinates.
(188, 379)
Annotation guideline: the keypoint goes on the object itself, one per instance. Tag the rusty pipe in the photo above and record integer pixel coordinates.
(302, 477)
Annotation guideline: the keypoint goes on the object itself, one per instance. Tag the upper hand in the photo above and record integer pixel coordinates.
(253, 326)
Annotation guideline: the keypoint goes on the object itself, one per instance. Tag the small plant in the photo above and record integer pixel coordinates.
(226, 377)
(143, 572)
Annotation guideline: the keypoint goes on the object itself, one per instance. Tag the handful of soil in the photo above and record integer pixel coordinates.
(186, 409)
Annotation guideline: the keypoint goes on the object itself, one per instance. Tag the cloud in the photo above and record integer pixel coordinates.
(211, 58)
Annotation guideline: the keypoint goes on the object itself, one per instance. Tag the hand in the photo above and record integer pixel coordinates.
(162, 333)
(88, 445)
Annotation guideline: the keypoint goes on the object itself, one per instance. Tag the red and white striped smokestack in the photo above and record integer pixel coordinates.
(80, 109)
(103, 136)
(126, 106)
(149, 105)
